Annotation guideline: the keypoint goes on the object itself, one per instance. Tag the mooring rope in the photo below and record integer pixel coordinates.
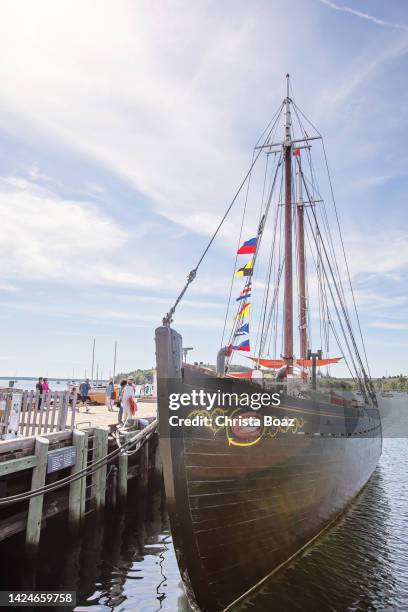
(87, 471)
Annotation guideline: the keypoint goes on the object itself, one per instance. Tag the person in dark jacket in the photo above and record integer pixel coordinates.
(39, 388)
(123, 384)
(110, 395)
(84, 389)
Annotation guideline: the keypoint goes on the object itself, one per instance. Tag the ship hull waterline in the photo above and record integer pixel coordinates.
(241, 507)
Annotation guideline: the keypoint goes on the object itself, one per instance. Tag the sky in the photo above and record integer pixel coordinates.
(125, 129)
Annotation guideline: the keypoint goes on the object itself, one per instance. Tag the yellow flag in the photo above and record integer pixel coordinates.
(246, 270)
(244, 311)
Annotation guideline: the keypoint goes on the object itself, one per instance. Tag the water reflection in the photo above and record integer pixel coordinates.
(125, 561)
(362, 562)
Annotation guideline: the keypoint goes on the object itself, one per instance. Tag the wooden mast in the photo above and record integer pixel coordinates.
(301, 265)
(288, 291)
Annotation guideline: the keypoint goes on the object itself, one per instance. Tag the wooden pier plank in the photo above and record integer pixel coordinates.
(75, 488)
(123, 470)
(42, 413)
(54, 410)
(73, 408)
(102, 471)
(144, 464)
(83, 480)
(16, 465)
(36, 503)
(98, 485)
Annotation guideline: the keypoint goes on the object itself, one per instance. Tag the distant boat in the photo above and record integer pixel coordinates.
(244, 499)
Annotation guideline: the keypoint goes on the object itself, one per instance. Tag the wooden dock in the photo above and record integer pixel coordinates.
(83, 470)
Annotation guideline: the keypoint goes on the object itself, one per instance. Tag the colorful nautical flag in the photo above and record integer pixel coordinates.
(245, 293)
(246, 270)
(244, 346)
(244, 311)
(296, 152)
(244, 329)
(248, 247)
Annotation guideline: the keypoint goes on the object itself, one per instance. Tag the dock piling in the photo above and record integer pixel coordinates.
(144, 464)
(33, 529)
(112, 488)
(123, 471)
(100, 450)
(158, 465)
(83, 480)
(75, 488)
(102, 472)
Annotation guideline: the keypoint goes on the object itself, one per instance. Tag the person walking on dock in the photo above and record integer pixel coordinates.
(110, 395)
(123, 384)
(128, 401)
(84, 389)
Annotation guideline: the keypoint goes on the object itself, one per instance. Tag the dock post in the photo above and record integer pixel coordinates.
(144, 464)
(102, 472)
(35, 507)
(83, 480)
(123, 471)
(75, 488)
(112, 488)
(99, 477)
(158, 465)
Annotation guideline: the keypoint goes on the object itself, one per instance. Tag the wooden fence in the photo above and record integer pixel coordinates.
(37, 414)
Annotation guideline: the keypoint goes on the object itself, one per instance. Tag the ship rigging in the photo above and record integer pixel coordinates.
(296, 218)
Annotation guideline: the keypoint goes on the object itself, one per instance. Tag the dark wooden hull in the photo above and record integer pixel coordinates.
(240, 508)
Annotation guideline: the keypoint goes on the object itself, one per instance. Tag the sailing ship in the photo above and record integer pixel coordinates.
(249, 486)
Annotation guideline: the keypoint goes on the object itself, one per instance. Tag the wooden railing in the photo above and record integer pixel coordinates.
(38, 414)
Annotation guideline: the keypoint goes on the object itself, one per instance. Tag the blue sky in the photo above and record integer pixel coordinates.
(124, 131)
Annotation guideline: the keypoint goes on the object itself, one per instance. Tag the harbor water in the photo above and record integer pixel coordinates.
(127, 562)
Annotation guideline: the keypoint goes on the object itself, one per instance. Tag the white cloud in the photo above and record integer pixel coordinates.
(367, 16)
(8, 288)
(389, 325)
(367, 182)
(364, 67)
(152, 91)
(384, 252)
(46, 238)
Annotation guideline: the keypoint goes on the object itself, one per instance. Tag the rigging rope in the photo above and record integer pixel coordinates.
(87, 471)
(341, 236)
(193, 273)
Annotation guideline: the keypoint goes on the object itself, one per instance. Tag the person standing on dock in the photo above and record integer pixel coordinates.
(110, 395)
(39, 389)
(84, 389)
(46, 386)
(123, 384)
